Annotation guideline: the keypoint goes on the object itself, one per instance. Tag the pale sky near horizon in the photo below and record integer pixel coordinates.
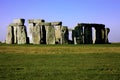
(70, 12)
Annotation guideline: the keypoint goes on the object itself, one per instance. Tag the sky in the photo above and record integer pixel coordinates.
(70, 12)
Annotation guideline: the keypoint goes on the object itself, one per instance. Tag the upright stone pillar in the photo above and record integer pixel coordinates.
(93, 35)
(30, 26)
(15, 33)
(18, 32)
(10, 35)
(57, 26)
(36, 37)
(64, 35)
(35, 23)
(99, 34)
(43, 34)
(103, 33)
(21, 35)
(73, 36)
(88, 34)
(78, 34)
(50, 33)
(107, 30)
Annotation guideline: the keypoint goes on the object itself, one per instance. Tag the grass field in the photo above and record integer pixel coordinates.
(60, 62)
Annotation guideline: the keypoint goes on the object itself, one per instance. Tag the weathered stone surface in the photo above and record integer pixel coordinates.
(107, 30)
(88, 34)
(43, 34)
(35, 21)
(99, 33)
(57, 34)
(36, 37)
(93, 35)
(73, 37)
(103, 35)
(57, 26)
(21, 35)
(30, 26)
(50, 34)
(100, 38)
(19, 21)
(64, 35)
(56, 23)
(9, 37)
(53, 32)
(17, 33)
(78, 34)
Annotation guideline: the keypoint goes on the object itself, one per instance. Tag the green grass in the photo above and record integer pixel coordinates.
(64, 64)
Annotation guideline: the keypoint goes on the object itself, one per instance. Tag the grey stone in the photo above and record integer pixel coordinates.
(37, 21)
(64, 35)
(17, 32)
(88, 34)
(93, 35)
(107, 30)
(100, 34)
(57, 26)
(30, 26)
(50, 34)
(103, 34)
(43, 34)
(19, 21)
(9, 37)
(21, 35)
(78, 34)
(73, 37)
(14, 32)
(36, 37)
(56, 23)
(36, 31)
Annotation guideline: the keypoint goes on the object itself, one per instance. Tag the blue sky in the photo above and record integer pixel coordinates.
(70, 12)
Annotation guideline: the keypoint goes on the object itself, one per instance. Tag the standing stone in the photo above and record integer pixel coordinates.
(36, 37)
(21, 35)
(30, 25)
(73, 37)
(64, 35)
(9, 37)
(103, 33)
(107, 30)
(20, 32)
(99, 34)
(43, 33)
(78, 34)
(15, 34)
(50, 34)
(94, 35)
(87, 34)
(57, 26)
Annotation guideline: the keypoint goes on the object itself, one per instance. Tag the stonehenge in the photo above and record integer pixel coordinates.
(84, 34)
(17, 33)
(41, 32)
